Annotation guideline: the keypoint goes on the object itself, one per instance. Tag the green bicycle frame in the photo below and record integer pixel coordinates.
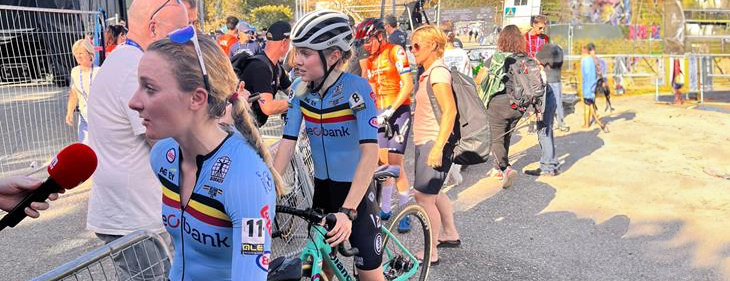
(319, 250)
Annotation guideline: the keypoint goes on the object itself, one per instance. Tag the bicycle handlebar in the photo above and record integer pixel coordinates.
(316, 217)
(347, 253)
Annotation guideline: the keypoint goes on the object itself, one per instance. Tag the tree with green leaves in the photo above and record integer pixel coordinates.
(264, 16)
(216, 12)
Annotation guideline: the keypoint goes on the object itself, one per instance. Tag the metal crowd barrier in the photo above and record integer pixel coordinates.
(35, 64)
(99, 264)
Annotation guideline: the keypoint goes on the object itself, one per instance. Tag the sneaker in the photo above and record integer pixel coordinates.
(508, 175)
(539, 172)
(564, 128)
(404, 226)
(496, 173)
(455, 177)
(385, 216)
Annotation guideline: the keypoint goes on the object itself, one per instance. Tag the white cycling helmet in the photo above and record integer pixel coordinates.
(322, 29)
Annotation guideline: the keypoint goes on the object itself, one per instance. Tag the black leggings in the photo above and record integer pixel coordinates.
(366, 236)
(502, 119)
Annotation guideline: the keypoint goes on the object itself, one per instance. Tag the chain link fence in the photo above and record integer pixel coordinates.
(35, 64)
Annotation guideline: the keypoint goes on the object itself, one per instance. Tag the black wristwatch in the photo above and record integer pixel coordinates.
(351, 213)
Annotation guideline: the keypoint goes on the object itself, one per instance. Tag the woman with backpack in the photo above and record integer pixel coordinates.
(433, 155)
(502, 116)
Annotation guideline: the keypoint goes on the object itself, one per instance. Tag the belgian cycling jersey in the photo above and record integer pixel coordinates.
(336, 123)
(384, 71)
(224, 231)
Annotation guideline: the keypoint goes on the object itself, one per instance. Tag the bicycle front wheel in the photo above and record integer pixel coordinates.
(403, 244)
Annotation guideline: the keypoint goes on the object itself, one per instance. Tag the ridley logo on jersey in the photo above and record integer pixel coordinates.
(266, 180)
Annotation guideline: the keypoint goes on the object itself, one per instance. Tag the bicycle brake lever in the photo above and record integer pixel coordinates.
(330, 221)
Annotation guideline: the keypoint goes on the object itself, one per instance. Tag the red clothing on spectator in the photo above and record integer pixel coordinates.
(109, 49)
(226, 42)
(535, 43)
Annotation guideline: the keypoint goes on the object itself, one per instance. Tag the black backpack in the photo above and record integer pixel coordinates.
(240, 61)
(471, 138)
(529, 87)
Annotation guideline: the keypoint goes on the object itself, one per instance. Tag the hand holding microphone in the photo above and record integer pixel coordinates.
(14, 189)
(24, 196)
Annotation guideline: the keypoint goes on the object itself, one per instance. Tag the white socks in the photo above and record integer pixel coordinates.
(386, 198)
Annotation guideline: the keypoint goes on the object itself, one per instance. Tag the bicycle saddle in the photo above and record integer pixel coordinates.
(387, 171)
(285, 269)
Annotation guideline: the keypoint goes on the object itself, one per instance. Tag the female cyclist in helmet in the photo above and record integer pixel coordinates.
(389, 73)
(340, 121)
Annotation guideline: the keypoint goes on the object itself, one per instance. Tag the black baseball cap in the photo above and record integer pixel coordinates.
(278, 31)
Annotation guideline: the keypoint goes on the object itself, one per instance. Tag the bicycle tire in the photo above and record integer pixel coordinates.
(418, 216)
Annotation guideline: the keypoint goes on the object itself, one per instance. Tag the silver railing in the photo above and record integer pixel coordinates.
(35, 64)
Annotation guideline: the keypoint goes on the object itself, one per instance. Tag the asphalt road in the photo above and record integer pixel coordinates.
(613, 214)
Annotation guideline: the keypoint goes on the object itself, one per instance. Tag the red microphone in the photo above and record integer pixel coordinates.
(72, 166)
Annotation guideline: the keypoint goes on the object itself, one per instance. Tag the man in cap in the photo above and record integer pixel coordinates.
(246, 40)
(264, 74)
(395, 35)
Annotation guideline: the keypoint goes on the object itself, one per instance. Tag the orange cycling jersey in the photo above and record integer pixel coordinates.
(384, 71)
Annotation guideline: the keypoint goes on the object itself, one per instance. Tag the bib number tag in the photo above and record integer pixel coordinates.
(252, 236)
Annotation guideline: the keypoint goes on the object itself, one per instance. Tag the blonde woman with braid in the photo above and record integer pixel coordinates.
(219, 188)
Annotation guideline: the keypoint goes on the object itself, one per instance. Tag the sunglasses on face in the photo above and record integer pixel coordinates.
(163, 5)
(416, 47)
(185, 35)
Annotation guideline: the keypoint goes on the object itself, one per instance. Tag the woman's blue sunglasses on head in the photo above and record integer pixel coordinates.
(185, 35)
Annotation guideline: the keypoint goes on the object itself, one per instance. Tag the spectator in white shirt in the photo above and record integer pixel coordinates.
(455, 56)
(125, 195)
(81, 77)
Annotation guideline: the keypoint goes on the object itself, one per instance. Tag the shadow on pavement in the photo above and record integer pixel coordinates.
(626, 116)
(508, 236)
(569, 148)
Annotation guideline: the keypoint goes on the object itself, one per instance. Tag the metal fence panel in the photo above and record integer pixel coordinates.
(35, 64)
(99, 264)
(299, 178)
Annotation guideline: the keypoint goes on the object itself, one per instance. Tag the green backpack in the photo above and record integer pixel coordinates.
(493, 83)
